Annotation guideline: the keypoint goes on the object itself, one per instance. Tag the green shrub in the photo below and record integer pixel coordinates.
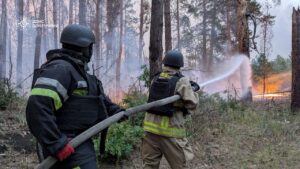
(145, 76)
(7, 94)
(134, 98)
(122, 138)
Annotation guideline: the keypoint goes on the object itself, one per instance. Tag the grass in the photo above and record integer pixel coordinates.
(230, 134)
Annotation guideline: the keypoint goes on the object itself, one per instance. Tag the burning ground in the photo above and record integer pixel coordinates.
(275, 83)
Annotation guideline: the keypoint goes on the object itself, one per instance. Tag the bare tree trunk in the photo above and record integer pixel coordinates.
(118, 67)
(228, 28)
(82, 12)
(168, 30)
(55, 23)
(112, 10)
(3, 35)
(212, 34)
(204, 36)
(10, 72)
(109, 33)
(20, 13)
(156, 30)
(141, 35)
(178, 26)
(71, 5)
(38, 38)
(98, 36)
(45, 34)
(242, 28)
(295, 102)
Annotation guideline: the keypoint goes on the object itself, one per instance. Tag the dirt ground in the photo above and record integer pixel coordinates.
(17, 148)
(259, 136)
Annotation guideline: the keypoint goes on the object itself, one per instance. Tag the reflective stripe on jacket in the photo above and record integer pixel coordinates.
(173, 126)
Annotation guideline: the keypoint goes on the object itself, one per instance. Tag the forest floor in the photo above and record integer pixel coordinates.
(256, 135)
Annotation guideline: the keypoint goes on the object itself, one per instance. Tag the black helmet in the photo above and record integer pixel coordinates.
(77, 35)
(173, 58)
(80, 39)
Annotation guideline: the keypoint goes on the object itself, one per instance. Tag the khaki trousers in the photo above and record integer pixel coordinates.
(177, 151)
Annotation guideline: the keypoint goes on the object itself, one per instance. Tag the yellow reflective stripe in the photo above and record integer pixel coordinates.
(49, 93)
(77, 167)
(164, 75)
(163, 128)
(159, 126)
(175, 132)
(80, 92)
(167, 122)
(162, 121)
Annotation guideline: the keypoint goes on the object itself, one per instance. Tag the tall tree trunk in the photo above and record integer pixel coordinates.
(71, 6)
(3, 34)
(295, 102)
(109, 33)
(45, 33)
(98, 36)
(212, 34)
(38, 38)
(178, 26)
(82, 12)
(156, 30)
(228, 28)
(112, 9)
(118, 67)
(242, 28)
(10, 72)
(55, 22)
(204, 36)
(141, 35)
(20, 13)
(168, 30)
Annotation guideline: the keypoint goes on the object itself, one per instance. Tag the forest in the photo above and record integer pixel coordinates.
(248, 109)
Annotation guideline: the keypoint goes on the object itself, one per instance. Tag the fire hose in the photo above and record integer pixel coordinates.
(50, 161)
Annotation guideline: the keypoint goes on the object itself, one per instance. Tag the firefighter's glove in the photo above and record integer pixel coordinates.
(195, 86)
(65, 152)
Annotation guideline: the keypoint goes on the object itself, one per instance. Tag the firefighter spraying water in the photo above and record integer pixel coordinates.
(239, 71)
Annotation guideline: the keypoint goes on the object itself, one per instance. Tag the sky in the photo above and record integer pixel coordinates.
(282, 29)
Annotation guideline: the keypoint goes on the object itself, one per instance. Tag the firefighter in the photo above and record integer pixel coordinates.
(65, 100)
(165, 133)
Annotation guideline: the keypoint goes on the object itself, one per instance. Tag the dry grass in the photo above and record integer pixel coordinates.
(256, 135)
(225, 135)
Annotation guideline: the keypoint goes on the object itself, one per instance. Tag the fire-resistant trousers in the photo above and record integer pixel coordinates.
(177, 151)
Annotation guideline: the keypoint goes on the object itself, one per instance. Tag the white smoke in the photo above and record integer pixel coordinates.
(232, 76)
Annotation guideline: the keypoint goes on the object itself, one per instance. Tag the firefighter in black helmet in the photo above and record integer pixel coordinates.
(65, 100)
(165, 133)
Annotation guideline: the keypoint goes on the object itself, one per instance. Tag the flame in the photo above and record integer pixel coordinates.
(274, 83)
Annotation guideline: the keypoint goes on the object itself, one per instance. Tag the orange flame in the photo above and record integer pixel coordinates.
(274, 83)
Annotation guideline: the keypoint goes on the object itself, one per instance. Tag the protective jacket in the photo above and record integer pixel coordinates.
(169, 120)
(163, 86)
(65, 100)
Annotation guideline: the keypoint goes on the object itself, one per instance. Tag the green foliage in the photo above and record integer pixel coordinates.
(122, 138)
(134, 98)
(262, 67)
(281, 64)
(7, 94)
(145, 76)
